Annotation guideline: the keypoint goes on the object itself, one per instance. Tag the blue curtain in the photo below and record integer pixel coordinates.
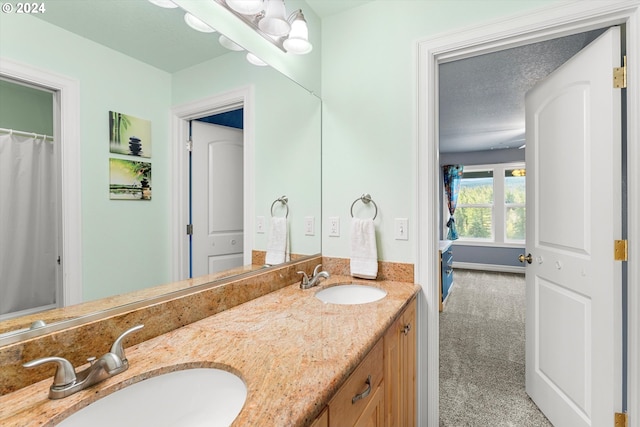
(452, 177)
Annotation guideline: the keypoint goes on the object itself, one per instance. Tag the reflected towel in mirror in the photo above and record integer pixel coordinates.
(277, 245)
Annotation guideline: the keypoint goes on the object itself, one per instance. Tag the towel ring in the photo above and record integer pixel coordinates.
(366, 199)
(285, 201)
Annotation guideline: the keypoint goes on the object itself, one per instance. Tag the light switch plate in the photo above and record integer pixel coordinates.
(334, 226)
(402, 229)
(260, 224)
(309, 226)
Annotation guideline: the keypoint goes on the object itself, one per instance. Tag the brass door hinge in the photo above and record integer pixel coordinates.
(620, 75)
(620, 420)
(620, 250)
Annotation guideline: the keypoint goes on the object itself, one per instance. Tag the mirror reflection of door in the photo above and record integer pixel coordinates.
(217, 212)
(29, 201)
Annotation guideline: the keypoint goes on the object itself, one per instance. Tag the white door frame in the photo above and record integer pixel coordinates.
(550, 22)
(66, 129)
(180, 116)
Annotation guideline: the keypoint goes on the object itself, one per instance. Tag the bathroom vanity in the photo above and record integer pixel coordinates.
(304, 362)
(446, 270)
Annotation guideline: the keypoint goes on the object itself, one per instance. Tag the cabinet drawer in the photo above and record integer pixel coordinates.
(343, 410)
(447, 258)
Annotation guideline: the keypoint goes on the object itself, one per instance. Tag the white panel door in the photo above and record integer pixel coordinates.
(573, 321)
(216, 198)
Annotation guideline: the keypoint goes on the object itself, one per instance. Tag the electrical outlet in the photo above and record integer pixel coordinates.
(309, 226)
(401, 229)
(260, 224)
(334, 226)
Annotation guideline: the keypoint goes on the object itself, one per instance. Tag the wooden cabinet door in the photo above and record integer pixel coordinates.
(393, 374)
(408, 358)
(400, 370)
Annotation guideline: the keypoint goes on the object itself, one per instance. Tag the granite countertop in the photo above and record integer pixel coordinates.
(292, 350)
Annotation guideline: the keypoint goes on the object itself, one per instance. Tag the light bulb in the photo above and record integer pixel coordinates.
(197, 24)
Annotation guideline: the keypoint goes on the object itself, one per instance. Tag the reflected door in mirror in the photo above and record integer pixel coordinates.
(216, 198)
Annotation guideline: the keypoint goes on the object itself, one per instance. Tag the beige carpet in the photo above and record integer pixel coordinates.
(482, 353)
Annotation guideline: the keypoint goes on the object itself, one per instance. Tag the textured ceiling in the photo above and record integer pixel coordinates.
(482, 98)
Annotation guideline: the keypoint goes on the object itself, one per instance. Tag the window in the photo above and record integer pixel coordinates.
(491, 204)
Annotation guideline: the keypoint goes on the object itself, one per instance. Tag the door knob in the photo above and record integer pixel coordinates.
(523, 258)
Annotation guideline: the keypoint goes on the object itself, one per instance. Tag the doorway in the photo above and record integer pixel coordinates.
(481, 128)
(216, 193)
(180, 194)
(520, 30)
(66, 130)
(30, 200)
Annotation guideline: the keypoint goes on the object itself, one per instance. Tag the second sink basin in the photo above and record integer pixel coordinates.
(350, 294)
(187, 398)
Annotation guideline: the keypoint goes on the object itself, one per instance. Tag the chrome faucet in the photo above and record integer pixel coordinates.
(67, 382)
(309, 282)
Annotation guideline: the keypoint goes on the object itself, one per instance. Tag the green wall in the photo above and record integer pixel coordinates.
(125, 244)
(25, 108)
(287, 143)
(369, 92)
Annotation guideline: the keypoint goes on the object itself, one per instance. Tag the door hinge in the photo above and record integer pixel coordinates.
(620, 250)
(620, 420)
(189, 146)
(620, 75)
(190, 229)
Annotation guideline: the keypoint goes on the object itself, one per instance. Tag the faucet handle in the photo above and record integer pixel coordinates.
(305, 278)
(65, 372)
(117, 347)
(317, 269)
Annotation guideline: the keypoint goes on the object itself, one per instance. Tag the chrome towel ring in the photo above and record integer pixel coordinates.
(366, 199)
(285, 201)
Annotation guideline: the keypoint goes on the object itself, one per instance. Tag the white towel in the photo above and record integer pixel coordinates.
(277, 245)
(364, 253)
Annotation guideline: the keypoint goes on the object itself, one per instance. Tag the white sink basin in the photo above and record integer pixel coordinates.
(350, 294)
(192, 397)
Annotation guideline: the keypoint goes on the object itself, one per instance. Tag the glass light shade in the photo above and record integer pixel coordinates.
(168, 4)
(255, 60)
(275, 21)
(229, 44)
(246, 7)
(298, 41)
(197, 24)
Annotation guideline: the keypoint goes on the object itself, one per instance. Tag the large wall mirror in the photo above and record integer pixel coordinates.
(143, 61)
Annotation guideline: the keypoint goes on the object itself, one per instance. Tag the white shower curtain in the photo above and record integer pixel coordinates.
(28, 246)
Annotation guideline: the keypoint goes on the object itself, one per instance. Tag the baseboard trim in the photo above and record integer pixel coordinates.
(488, 267)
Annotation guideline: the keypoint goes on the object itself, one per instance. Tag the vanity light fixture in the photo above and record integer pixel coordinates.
(298, 40)
(269, 19)
(167, 4)
(255, 60)
(197, 24)
(229, 44)
(246, 7)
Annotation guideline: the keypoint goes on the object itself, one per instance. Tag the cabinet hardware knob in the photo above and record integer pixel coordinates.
(406, 329)
(365, 393)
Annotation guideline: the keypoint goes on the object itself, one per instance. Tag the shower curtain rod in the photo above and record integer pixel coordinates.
(21, 133)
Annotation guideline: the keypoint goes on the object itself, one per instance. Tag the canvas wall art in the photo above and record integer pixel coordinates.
(129, 180)
(129, 135)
